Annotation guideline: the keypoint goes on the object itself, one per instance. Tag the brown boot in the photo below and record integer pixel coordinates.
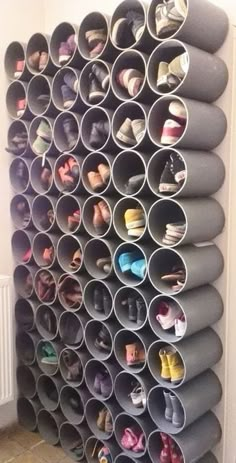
(95, 181)
(105, 211)
(98, 221)
(102, 419)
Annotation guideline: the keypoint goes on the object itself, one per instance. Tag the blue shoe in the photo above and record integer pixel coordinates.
(68, 96)
(71, 81)
(138, 268)
(126, 260)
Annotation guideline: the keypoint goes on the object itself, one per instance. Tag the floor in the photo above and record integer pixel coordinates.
(20, 446)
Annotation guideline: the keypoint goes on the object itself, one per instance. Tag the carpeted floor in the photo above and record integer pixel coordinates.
(20, 446)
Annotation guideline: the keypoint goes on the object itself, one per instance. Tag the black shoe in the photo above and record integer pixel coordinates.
(178, 168)
(98, 300)
(134, 184)
(96, 93)
(136, 22)
(141, 310)
(103, 341)
(71, 131)
(132, 308)
(101, 75)
(107, 301)
(103, 127)
(167, 181)
(98, 134)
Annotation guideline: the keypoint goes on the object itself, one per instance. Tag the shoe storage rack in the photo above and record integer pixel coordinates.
(65, 410)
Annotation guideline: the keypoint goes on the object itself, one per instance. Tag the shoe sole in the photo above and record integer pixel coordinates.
(129, 141)
(68, 104)
(64, 58)
(168, 188)
(105, 83)
(135, 234)
(17, 74)
(135, 224)
(43, 135)
(96, 97)
(20, 112)
(168, 140)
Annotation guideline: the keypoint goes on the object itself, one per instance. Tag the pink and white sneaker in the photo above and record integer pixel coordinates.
(168, 313)
(171, 132)
(180, 326)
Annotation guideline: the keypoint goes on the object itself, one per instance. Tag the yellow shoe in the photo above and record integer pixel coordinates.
(134, 218)
(165, 369)
(176, 366)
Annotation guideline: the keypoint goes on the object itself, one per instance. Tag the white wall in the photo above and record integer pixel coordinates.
(18, 21)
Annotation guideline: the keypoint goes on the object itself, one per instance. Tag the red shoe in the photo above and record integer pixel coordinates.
(66, 179)
(48, 254)
(20, 107)
(165, 456)
(140, 446)
(176, 456)
(27, 256)
(20, 64)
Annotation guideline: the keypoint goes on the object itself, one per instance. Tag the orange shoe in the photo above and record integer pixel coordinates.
(104, 171)
(98, 221)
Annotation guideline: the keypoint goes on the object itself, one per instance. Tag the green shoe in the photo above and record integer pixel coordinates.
(50, 357)
(40, 146)
(44, 130)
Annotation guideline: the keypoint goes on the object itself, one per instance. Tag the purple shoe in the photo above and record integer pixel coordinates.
(106, 386)
(64, 53)
(71, 81)
(72, 43)
(97, 383)
(68, 96)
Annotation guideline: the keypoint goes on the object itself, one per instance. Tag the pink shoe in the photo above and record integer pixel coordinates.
(27, 256)
(165, 456)
(176, 456)
(140, 446)
(168, 312)
(129, 439)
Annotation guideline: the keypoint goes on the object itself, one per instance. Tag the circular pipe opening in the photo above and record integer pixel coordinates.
(123, 34)
(48, 392)
(46, 321)
(26, 381)
(26, 414)
(71, 367)
(168, 121)
(43, 213)
(16, 99)
(47, 357)
(129, 219)
(37, 56)
(167, 223)
(67, 173)
(21, 247)
(129, 173)
(45, 286)
(41, 176)
(129, 125)
(167, 67)
(97, 216)
(23, 281)
(71, 330)
(68, 214)
(20, 209)
(14, 60)
(130, 308)
(130, 264)
(99, 419)
(63, 44)
(167, 318)
(167, 271)
(96, 173)
(66, 131)
(95, 82)
(98, 299)
(70, 253)
(40, 135)
(17, 138)
(72, 405)
(98, 259)
(160, 355)
(72, 441)
(19, 175)
(130, 351)
(95, 128)
(39, 94)
(24, 314)
(99, 380)
(92, 45)
(25, 348)
(98, 339)
(48, 427)
(65, 88)
(70, 292)
(134, 61)
(161, 174)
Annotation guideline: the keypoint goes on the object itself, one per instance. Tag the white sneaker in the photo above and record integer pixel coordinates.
(180, 327)
(168, 313)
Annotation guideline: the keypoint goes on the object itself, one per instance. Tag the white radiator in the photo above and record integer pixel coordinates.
(6, 342)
